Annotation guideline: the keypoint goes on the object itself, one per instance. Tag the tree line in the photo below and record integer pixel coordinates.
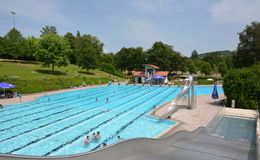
(86, 51)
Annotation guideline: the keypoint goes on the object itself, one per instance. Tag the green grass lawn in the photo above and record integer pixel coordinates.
(32, 70)
(32, 77)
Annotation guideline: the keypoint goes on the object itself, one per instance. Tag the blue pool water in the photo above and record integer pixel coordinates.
(58, 124)
(237, 128)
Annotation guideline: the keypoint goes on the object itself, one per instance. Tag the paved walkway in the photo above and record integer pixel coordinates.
(191, 119)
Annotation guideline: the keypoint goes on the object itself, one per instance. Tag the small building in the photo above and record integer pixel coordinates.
(151, 75)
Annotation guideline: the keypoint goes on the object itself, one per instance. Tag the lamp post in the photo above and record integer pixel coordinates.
(13, 13)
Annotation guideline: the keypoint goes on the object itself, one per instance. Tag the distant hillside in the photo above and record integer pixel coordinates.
(224, 53)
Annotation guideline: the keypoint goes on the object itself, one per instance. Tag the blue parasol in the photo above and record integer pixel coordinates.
(158, 77)
(215, 92)
(5, 85)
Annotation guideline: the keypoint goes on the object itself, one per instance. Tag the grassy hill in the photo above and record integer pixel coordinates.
(223, 53)
(31, 77)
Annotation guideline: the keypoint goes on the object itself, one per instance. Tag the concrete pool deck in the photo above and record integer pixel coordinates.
(201, 115)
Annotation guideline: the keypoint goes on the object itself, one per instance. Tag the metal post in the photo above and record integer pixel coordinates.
(13, 18)
(192, 95)
(189, 98)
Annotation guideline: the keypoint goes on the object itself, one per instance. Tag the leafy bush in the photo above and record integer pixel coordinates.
(243, 86)
(41, 85)
(109, 68)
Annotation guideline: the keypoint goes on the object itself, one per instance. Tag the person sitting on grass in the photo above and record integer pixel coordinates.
(87, 140)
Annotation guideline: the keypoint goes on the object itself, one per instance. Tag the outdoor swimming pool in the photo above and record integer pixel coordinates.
(58, 124)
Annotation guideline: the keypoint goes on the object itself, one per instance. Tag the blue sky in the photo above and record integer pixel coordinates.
(204, 25)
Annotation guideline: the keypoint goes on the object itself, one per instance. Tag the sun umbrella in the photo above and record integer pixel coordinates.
(5, 85)
(215, 92)
(158, 77)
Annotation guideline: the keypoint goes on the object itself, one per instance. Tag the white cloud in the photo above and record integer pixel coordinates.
(236, 11)
(36, 10)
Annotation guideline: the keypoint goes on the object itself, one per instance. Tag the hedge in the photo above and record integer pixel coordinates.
(243, 86)
(41, 85)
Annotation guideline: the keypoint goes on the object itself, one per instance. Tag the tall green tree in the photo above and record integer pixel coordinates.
(205, 68)
(160, 54)
(15, 44)
(48, 30)
(214, 58)
(191, 66)
(72, 40)
(194, 54)
(3, 45)
(107, 58)
(53, 50)
(88, 48)
(32, 48)
(130, 59)
(222, 68)
(248, 53)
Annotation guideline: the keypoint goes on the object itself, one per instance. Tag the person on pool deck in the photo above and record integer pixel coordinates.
(98, 135)
(87, 140)
(1, 106)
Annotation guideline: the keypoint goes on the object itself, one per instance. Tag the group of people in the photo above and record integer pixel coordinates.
(94, 137)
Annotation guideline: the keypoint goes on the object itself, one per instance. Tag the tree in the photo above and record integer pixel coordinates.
(48, 30)
(32, 48)
(222, 68)
(88, 48)
(191, 66)
(176, 62)
(160, 54)
(214, 58)
(130, 58)
(71, 39)
(53, 50)
(15, 44)
(107, 58)
(194, 54)
(3, 45)
(248, 53)
(206, 68)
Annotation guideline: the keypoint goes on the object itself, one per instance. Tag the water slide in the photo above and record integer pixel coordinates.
(173, 106)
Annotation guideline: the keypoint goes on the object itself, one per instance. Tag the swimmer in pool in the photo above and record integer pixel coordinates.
(87, 140)
(98, 135)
